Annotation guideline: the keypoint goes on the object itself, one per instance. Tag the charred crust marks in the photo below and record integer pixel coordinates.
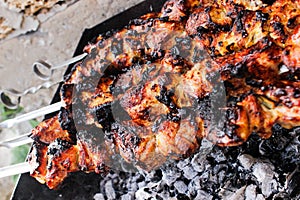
(66, 120)
(165, 97)
(297, 93)
(58, 147)
(105, 116)
(269, 2)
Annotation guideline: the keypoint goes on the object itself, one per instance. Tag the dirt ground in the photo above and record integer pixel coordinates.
(52, 35)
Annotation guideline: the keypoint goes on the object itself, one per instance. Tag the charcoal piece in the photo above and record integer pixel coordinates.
(141, 184)
(143, 193)
(189, 172)
(293, 186)
(126, 197)
(169, 176)
(246, 161)
(194, 186)
(180, 186)
(237, 193)
(183, 163)
(203, 195)
(99, 196)
(110, 191)
(250, 192)
(265, 175)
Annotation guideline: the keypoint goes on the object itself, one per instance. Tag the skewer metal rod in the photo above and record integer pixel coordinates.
(31, 115)
(17, 141)
(14, 169)
(41, 64)
(70, 61)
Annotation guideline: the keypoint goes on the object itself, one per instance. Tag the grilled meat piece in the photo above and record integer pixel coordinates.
(219, 70)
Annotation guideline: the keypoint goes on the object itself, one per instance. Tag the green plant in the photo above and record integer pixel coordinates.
(33, 122)
(6, 113)
(19, 153)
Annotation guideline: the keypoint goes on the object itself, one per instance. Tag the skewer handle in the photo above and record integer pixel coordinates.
(14, 169)
(31, 115)
(17, 141)
(47, 67)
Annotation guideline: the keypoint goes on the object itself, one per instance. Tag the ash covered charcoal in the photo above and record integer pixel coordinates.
(259, 169)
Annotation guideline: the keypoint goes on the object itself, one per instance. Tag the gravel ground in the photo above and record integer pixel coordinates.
(53, 36)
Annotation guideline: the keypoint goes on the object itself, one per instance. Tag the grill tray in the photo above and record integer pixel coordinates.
(80, 185)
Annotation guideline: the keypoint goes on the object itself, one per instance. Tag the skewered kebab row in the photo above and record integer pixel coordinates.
(166, 100)
(157, 152)
(151, 150)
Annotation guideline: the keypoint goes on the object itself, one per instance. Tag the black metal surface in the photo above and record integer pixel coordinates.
(80, 185)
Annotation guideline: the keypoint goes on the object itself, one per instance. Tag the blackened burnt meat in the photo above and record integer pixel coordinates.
(150, 92)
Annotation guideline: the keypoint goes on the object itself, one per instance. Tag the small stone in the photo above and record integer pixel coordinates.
(219, 156)
(198, 162)
(181, 187)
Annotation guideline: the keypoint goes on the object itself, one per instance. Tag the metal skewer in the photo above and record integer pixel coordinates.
(39, 68)
(17, 141)
(31, 115)
(24, 139)
(5, 95)
(16, 169)
(46, 66)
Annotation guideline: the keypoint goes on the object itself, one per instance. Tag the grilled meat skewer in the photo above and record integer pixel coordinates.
(153, 90)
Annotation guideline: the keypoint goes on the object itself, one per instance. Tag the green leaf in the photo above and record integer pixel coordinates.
(34, 122)
(6, 113)
(19, 156)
